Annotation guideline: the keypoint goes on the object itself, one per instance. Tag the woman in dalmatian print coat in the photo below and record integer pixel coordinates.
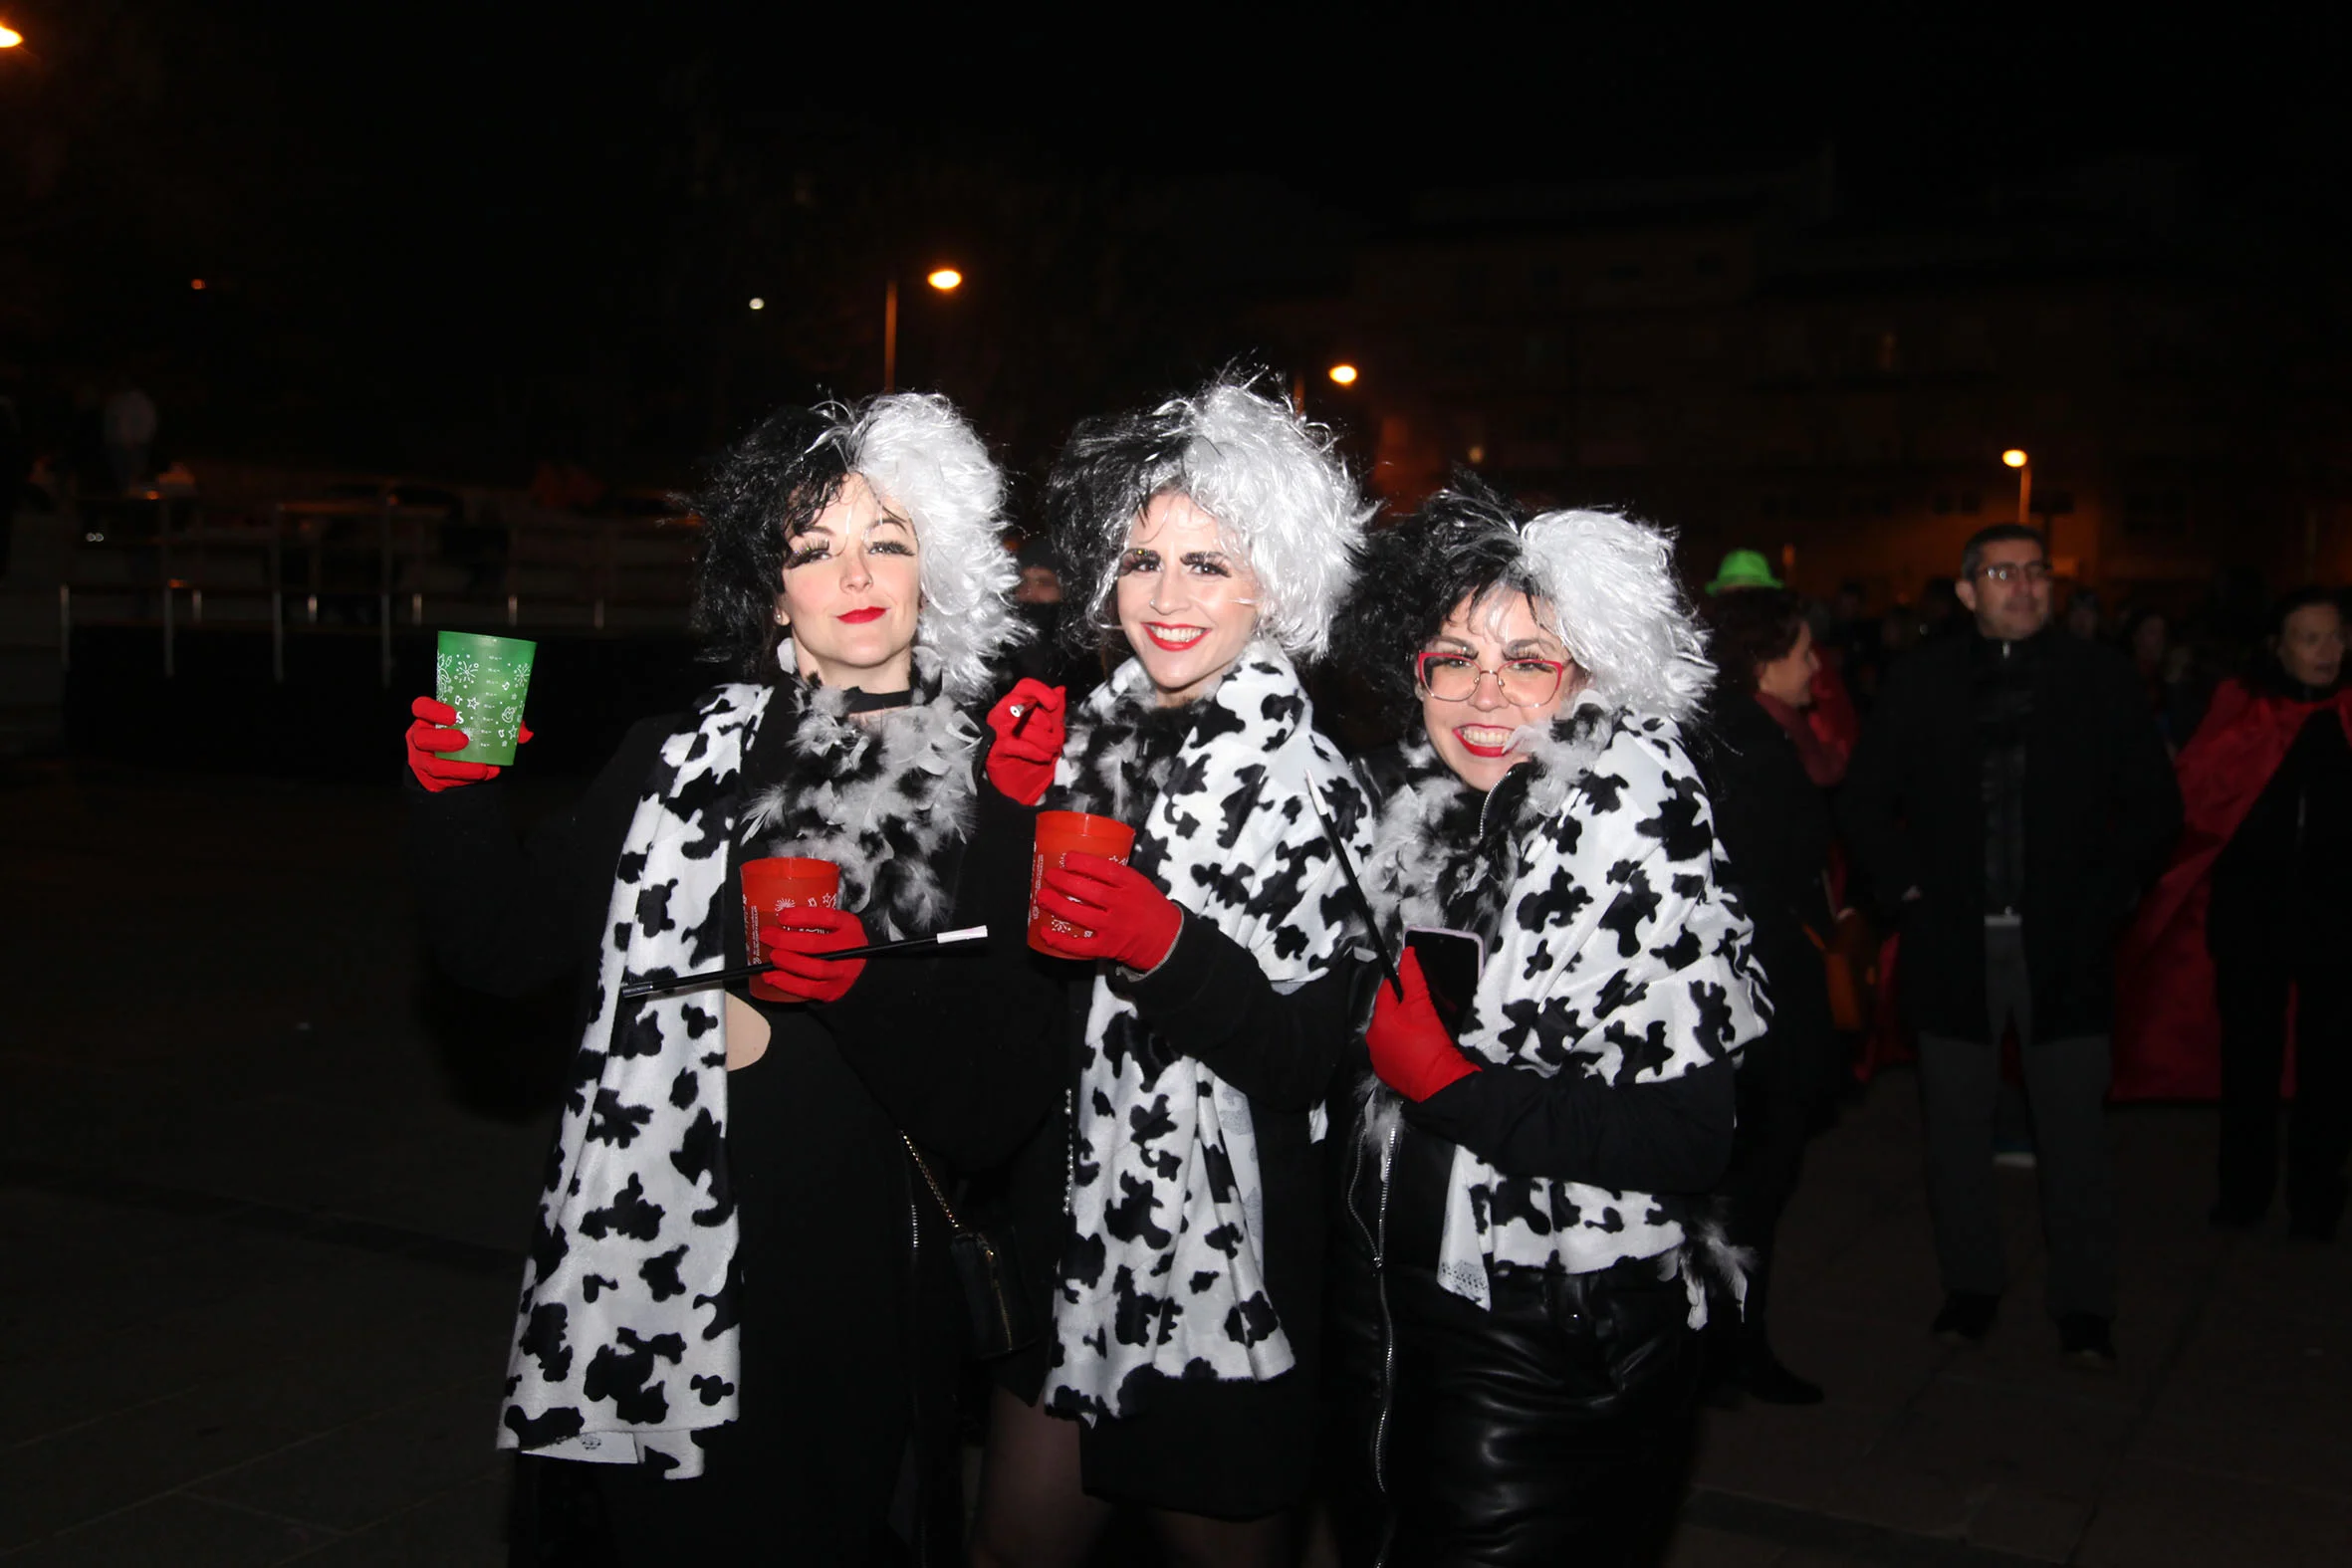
(1525, 1246)
(737, 1339)
(1178, 1199)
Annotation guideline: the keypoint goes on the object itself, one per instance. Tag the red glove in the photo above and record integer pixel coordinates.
(1411, 1050)
(1022, 764)
(1123, 915)
(796, 953)
(435, 731)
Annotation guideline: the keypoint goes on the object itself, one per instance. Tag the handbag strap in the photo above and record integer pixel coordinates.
(931, 1182)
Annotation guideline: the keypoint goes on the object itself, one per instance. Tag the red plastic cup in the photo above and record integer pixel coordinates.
(774, 887)
(1060, 833)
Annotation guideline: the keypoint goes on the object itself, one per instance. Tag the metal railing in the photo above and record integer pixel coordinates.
(352, 566)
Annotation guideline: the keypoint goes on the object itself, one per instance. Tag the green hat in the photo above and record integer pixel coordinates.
(1744, 569)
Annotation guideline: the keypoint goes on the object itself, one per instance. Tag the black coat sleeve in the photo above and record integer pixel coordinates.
(505, 915)
(1870, 805)
(1673, 1136)
(1772, 820)
(965, 1049)
(1210, 1001)
(2146, 792)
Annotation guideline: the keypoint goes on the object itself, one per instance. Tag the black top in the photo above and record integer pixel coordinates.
(2291, 856)
(1774, 824)
(2001, 704)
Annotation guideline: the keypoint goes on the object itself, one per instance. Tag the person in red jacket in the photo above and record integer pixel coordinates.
(2251, 912)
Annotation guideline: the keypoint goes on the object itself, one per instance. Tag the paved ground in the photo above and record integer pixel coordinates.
(261, 1187)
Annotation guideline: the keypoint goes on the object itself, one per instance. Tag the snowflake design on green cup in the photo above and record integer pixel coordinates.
(486, 679)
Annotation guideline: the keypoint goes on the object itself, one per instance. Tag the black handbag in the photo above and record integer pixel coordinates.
(997, 1310)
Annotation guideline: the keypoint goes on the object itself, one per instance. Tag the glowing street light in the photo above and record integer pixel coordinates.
(944, 279)
(10, 36)
(2015, 457)
(197, 284)
(1343, 375)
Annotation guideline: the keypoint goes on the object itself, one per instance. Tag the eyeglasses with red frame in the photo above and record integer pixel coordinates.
(1454, 677)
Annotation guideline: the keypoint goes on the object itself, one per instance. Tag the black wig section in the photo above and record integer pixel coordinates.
(1107, 473)
(1466, 541)
(771, 483)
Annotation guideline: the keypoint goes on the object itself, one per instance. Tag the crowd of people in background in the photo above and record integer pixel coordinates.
(2106, 849)
(1375, 1155)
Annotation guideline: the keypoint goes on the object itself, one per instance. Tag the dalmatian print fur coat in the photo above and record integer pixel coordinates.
(627, 1340)
(1613, 950)
(1166, 1270)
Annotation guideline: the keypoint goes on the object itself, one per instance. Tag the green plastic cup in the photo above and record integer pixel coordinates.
(485, 679)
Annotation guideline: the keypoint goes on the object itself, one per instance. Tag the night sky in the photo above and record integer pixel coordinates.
(466, 238)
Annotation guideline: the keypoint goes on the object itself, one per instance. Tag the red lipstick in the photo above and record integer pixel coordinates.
(858, 617)
(1476, 750)
(1153, 632)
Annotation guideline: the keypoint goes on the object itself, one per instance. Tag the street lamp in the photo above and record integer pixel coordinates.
(10, 36)
(2015, 457)
(1343, 375)
(944, 279)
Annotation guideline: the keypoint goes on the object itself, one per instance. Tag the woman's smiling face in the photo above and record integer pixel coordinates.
(1188, 606)
(1493, 642)
(852, 588)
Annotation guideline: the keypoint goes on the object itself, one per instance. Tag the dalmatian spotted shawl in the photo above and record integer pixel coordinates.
(1166, 1269)
(1614, 951)
(628, 1342)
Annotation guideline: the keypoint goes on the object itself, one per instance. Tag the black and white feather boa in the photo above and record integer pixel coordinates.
(880, 797)
(1613, 950)
(1166, 1271)
(628, 1342)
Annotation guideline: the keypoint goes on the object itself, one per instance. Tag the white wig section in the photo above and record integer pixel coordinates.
(1281, 496)
(927, 464)
(1609, 586)
(1283, 500)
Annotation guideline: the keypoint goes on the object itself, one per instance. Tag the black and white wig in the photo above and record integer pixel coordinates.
(1604, 584)
(1283, 500)
(924, 464)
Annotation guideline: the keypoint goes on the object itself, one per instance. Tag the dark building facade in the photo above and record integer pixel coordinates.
(1758, 363)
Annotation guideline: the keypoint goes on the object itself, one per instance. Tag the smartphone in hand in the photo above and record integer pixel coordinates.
(1451, 961)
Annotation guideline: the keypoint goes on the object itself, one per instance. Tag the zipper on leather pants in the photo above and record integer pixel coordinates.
(914, 1227)
(1377, 1236)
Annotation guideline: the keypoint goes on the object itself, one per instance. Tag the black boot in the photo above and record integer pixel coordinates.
(1763, 1377)
(1967, 1317)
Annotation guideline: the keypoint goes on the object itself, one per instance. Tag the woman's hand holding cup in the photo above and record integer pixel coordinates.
(1028, 726)
(1116, 911)
(796, 953)
(434, 732)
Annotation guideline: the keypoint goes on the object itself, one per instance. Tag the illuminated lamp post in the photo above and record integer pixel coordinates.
(1343, 375)
(944, 279)
(10, 38)
(2015, 457)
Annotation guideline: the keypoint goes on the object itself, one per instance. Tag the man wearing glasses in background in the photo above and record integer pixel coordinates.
(2006, 804)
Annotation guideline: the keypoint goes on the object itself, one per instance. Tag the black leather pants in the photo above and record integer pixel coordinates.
(1554, 1428)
